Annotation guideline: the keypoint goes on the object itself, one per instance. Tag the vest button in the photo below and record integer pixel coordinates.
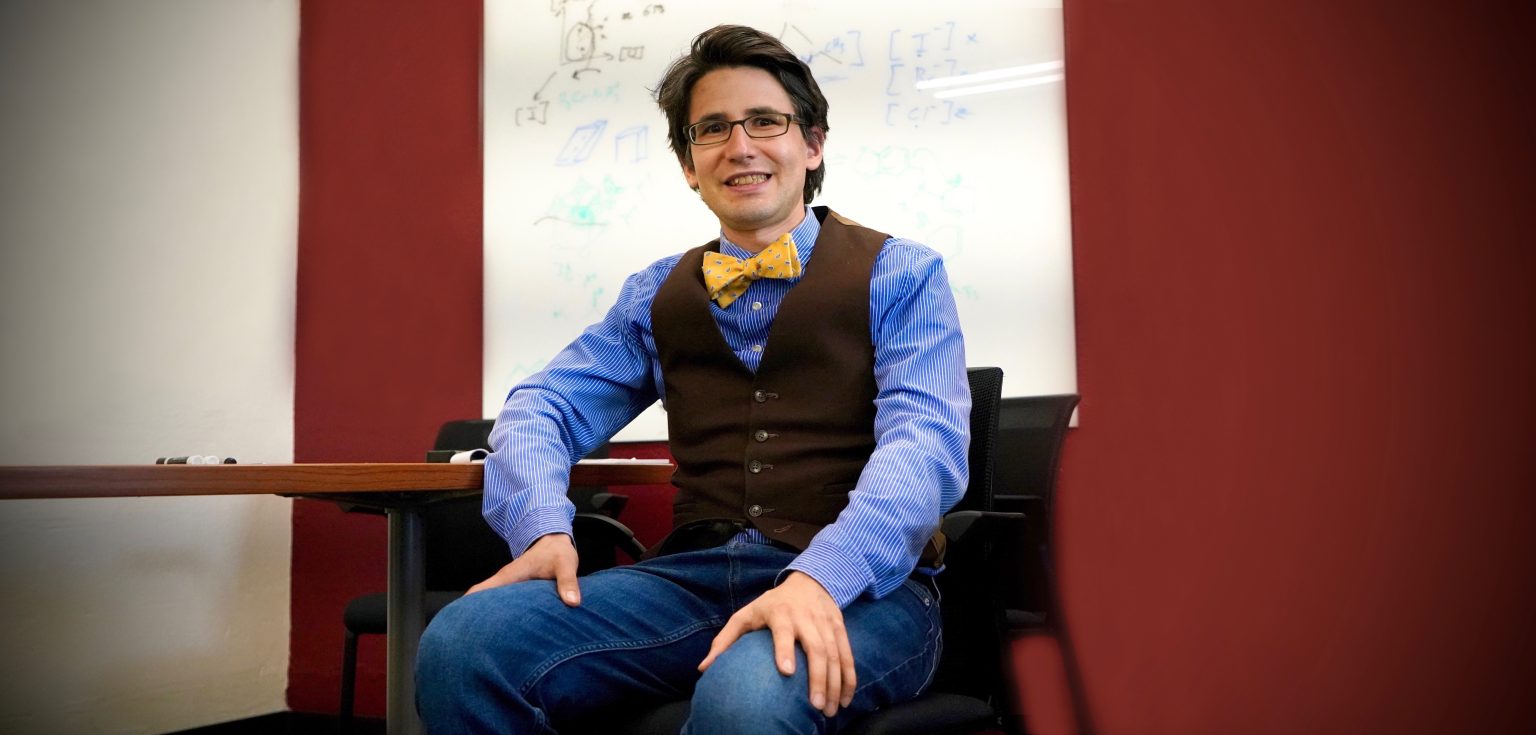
(760, 396)
(760, 435)
(755, 467)
(755, 511)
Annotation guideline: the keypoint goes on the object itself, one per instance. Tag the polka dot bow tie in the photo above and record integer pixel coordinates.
(727, 278)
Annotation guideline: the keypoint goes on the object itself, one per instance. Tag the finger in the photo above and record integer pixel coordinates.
(783, 631)
(833, 655)
(827, 660)
(815, 663)
(850, 673)
(831, 697)
(565, 581)
(723, 640)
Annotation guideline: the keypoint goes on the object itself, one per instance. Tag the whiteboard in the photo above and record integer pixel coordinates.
(581, 189)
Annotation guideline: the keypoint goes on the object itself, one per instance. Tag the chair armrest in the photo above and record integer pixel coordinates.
(973, 527)
(609, 504)
(597, 536)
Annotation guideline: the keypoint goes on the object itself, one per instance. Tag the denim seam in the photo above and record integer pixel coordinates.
(937, 641)
(733, 577)
(864, 685)
(564, 656)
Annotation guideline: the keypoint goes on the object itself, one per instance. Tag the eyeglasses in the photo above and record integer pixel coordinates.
(763, 125)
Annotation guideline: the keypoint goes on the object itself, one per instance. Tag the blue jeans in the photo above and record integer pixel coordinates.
(515, 659)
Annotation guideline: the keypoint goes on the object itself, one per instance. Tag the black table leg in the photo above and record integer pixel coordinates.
(407, 592)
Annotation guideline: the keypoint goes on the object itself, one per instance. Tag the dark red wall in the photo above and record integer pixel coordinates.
(1299, 498)
(389, 286)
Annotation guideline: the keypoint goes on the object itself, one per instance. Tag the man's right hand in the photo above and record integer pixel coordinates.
(551, 557)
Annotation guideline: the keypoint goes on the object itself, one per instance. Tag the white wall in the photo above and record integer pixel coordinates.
(148, 215)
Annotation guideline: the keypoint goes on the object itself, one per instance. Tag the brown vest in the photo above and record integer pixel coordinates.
(781, 449)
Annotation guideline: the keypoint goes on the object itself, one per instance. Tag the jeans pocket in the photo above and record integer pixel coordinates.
(923, 588)
(927, 594)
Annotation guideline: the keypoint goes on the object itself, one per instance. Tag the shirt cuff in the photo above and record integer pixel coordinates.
(536, 523)
(842, 574)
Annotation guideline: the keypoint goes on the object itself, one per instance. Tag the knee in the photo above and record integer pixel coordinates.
(467, 640)
(468, 666)
(440, 655)
(743, 692)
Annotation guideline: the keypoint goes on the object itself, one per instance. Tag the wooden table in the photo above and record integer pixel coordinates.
(398, 489)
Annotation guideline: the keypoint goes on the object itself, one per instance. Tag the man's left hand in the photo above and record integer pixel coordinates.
(799, 611)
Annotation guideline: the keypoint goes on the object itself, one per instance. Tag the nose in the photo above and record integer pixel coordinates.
(739, 144)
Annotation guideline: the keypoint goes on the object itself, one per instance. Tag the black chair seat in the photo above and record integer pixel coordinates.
(666, 719)
(934, 713)
(931, 714)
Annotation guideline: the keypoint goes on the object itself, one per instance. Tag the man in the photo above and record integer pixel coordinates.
(814, 377)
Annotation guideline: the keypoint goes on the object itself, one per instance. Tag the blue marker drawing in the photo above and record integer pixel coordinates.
(841, 51)
(629, 145)
(858, 48)
(890, 85)
(579, 146)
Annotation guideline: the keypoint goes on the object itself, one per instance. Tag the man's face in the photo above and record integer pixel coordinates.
(754, 185)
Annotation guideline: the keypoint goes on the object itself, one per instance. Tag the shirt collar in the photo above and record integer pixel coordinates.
(804, 234)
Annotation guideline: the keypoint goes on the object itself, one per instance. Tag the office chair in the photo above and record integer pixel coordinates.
(1030, 435)
(967, 694)
(461, 549)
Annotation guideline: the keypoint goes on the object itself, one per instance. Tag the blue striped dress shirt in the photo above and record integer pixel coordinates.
(610, 373)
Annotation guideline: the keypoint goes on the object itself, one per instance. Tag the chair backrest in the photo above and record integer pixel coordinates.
(1015, 450)
(1030, 432)
(464, 434)
(986, 396)
(461, 548)
(972, 637)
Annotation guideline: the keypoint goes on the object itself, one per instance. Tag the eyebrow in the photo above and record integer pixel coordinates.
(750, 112)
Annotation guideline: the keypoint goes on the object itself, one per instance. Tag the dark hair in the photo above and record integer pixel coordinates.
(727, 46)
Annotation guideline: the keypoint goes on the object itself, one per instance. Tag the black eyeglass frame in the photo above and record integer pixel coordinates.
(731, 127)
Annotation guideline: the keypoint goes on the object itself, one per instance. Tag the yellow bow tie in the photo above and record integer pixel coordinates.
(727, 278)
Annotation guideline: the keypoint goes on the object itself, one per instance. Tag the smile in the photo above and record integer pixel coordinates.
(746, 179)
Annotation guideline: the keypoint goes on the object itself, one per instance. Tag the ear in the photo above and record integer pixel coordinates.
(814, 138)
(689, 174)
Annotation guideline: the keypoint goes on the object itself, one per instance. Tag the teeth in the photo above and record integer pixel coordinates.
(747, 180)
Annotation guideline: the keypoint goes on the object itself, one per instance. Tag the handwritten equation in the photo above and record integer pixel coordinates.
(593, 40)
(909, 57)
(584, 42)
